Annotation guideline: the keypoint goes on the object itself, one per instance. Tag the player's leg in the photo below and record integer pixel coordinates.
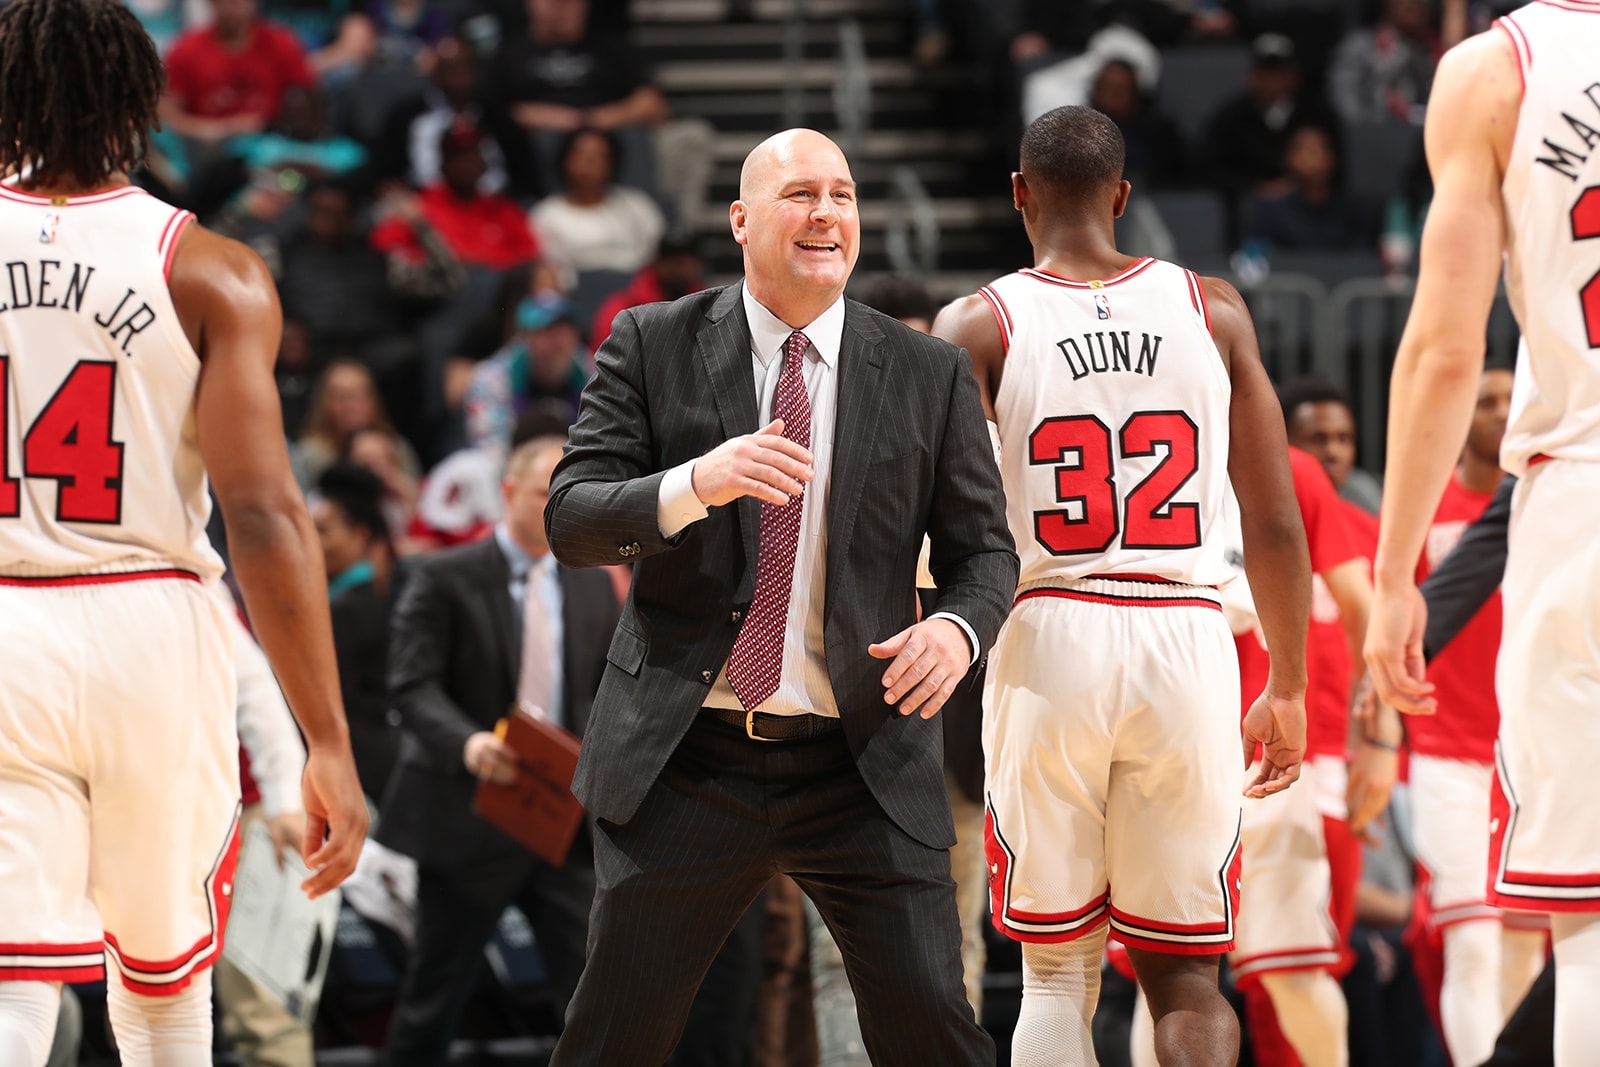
(1522, 957)
(1172, 827)
(49, 932)
(1469, 996)
(1142, 1034)
(1577, 946)
(1312, 1015)
(160, 712)
(1061, 986)
(1047, 743)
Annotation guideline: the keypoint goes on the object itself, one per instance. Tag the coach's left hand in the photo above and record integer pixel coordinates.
(930, 659)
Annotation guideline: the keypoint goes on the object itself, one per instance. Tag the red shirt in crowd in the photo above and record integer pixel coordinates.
(1331, 542)
(1468, 718)
(211, 80)
(644, 288)
(483, 230)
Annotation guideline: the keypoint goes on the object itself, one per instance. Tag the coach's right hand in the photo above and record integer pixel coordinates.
(1277, 723)
(336, 817)
(764, 464)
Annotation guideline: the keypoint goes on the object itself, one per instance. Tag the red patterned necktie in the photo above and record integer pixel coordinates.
(757, 658)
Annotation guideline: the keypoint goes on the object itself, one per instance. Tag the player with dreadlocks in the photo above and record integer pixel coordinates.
(136, 355)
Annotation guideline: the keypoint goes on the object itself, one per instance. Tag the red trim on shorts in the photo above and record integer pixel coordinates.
(113, 578)
(1002, 315)
(52, 962)
(182, 220)
(1502, 817)
(1127, 927)
(150, 977)
(1250, 969)
(1123, 601)
(1173, 948)
(1041, 275)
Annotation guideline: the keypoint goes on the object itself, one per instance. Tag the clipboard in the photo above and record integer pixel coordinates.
(538, 809)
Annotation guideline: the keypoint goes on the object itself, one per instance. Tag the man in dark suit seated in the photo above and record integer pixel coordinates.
(772, 455)
(467, 644)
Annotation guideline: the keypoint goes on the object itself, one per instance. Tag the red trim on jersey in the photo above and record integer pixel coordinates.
(11, 192)
(1583, 7)
(1519, 45)
(1538, 458)
(182, 218)
(1198, 295)
(1002, 315)
(1123, 601)
(1039, 274)
(113, 578)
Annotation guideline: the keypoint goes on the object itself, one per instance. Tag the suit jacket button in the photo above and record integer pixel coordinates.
(735, 617)
(705, 676)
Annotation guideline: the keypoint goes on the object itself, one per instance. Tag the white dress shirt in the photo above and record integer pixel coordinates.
(803, 685)
(540, 577)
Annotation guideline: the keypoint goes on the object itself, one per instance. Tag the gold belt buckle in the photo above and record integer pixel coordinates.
(750, 727)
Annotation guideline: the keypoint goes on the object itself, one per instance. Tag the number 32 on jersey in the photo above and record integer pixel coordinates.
(70, 443)
(1079, 447)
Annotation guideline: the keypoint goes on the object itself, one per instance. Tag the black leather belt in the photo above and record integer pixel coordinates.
(760, 726)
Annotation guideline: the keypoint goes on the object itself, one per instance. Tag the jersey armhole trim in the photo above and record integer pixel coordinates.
(1197, 297)
(1002, 316)
(168, 243)
(1519, 45)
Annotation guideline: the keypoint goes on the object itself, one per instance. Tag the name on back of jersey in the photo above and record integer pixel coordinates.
(1111, 352)
(1564, 159)
(51, 285)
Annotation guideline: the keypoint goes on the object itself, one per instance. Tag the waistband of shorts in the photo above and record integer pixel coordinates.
(1126, 590)
(56, 581)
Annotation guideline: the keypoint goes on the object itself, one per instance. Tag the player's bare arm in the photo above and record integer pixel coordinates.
(229, 308)
(1472, 117)
(1276, 559)
(969, 323)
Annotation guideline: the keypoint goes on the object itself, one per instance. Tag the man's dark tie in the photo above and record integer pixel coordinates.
(757, 658)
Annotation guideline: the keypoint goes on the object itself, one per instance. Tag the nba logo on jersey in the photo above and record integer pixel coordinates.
(1102, 305)
(48, 226)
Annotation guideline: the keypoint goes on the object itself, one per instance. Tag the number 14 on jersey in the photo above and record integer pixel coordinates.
(70, 443)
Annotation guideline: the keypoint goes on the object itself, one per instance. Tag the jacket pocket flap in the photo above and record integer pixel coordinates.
(626, 651)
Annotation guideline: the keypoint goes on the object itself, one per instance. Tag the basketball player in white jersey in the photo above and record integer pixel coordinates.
(1513, 140)
(1124, 403)
(136, 355)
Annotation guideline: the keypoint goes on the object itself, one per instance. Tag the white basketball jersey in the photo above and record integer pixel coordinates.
(99, 466)
(1113, 416)
(1551, 193)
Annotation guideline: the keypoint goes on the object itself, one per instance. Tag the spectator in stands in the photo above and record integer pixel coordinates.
(676, 271)
(340, 289)
(302, 140)
(560, 76)
(339, 40)
(1248, 134)
(1156, 153)
(544, 360)
(345, 402)
(1322, 421)
(482, 229)
(357, 552)
(408, 31)
(407, 148)
(228, 78)
(379, 452)
(1311, 214)
(593, 224)
(1384, 72)
(163, 20)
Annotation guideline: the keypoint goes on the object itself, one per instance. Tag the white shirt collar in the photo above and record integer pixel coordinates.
(769, 334)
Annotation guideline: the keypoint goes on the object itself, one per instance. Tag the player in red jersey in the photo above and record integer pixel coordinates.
(136, 356)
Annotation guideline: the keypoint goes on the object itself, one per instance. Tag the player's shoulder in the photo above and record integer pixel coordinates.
(206, 262)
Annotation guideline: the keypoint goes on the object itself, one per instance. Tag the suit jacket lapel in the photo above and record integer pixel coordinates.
(505, 627)
(724, 345)
(862, 360)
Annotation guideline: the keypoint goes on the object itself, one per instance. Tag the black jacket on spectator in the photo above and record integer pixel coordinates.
(361, 646)
(1470, 573)
(1292, 223)
(391, 152)
(598, 70)
(1245, 149)
(340, 294)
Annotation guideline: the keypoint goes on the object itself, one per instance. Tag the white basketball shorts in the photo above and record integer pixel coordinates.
(1111, 734)
(119, 778)
(1545, 810)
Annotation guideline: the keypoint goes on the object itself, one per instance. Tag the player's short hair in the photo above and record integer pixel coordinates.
(358, 493)
(1074, 151)
(1311, 389)
(898, 297)
(525, 455)
(79, 84)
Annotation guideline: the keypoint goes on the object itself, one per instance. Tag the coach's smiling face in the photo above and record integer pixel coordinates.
(796, 218)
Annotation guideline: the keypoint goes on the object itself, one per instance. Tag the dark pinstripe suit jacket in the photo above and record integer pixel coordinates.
(911, 455)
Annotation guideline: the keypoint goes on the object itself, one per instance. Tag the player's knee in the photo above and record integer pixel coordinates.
(1179, 983)
(156, 1031)
(1472, 949)
(28, 1021)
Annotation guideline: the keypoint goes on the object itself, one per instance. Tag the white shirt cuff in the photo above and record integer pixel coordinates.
(677, 506)
(972, 638)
